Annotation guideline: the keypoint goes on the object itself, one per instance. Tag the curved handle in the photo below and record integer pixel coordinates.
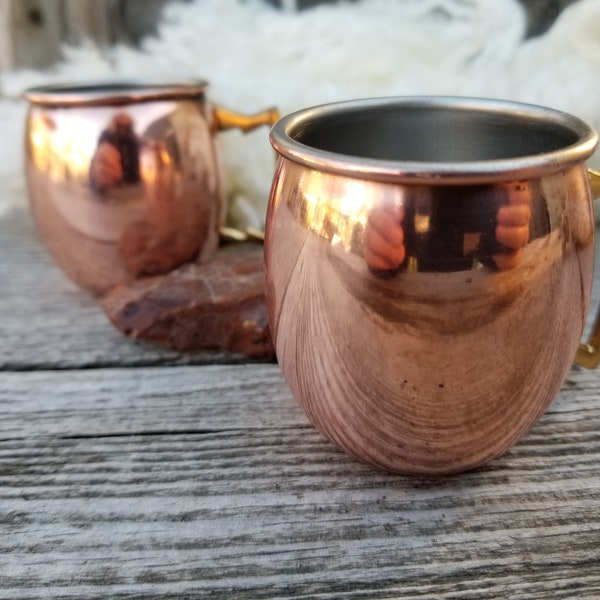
(588, 354)
(594, 182)
(226, 119)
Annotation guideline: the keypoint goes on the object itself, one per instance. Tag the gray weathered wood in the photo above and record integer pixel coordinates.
(225, 489)
(128, 472)
(97, 402)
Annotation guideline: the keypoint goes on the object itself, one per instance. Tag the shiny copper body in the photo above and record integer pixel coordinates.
(429, 264)
(125, 179)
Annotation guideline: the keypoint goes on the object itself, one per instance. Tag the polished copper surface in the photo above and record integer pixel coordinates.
(427, 286)
(125, 179)
(588, 353)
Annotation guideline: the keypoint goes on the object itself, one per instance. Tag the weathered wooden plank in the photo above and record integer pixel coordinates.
(279, 513)
(185, 481)
(99, 402)
(165, 483)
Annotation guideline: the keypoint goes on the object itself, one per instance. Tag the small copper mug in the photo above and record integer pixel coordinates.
(124, 179)
(429, 264)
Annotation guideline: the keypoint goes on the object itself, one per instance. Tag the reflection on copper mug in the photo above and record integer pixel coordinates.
(124, 179)
(429, 264)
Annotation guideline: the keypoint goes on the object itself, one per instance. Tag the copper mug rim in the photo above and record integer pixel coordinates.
(113, 92)
(289, 134)
(425, 330)
(173, 203)
(573, 140)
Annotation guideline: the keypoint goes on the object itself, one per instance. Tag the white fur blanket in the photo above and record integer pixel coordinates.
(255, 56)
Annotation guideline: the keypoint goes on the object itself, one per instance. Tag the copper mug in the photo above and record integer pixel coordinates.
(124, 179)
(429, 263)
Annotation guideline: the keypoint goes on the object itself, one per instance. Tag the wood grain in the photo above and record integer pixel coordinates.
(255, 504)
(130, 473)
(99, 402)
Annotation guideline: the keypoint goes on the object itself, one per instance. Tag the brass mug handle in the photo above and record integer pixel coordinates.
(588, 354)
(226, 119)
(223, 119)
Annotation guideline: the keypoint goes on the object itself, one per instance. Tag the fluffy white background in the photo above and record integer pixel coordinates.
(255, 56)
